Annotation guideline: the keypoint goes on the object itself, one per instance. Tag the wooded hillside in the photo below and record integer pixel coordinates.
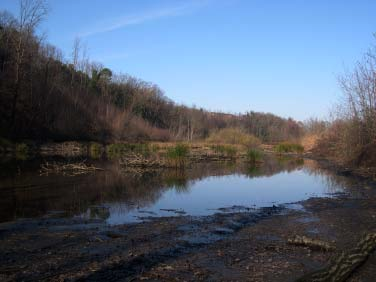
(44, 96)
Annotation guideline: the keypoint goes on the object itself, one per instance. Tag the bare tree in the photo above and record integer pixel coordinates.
(359, 88)
(76, 52)
(31, 14)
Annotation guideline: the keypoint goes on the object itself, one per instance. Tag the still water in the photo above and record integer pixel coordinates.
(118, 196)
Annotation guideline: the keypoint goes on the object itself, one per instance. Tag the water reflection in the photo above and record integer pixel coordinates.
(124, 196)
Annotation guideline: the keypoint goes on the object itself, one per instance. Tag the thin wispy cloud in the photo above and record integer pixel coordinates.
(144, 17)
(111, 57)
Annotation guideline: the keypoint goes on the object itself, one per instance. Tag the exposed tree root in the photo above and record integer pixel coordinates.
(345, 264)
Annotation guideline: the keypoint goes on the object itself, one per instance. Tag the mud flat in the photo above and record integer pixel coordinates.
(231, 246)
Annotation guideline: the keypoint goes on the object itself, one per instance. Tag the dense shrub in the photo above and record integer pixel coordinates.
(341, 142)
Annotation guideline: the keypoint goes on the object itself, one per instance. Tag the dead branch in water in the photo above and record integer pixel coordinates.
(70, 169)
(139, 161)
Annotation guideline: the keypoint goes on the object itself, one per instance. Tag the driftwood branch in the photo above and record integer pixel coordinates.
(71, 169)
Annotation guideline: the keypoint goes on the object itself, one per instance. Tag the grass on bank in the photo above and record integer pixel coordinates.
(286, 147)
(254, 156)
(178, 155)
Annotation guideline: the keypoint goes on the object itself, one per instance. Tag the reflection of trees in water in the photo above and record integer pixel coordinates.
(329, 178)
(177, 179)
(273, 165)
(30, 195)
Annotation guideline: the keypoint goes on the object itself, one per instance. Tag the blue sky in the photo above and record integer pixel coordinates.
(234, 56)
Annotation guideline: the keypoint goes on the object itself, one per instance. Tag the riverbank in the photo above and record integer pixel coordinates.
(154, 154)
(236, 244)
(146, 154)
(69, 149)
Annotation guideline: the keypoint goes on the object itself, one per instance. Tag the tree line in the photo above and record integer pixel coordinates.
(46, 97)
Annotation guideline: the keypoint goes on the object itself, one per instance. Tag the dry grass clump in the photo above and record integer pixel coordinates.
(178, 155)
(254, 156)
(233, 136)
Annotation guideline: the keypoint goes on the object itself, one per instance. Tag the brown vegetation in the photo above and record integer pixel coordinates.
(309, 142)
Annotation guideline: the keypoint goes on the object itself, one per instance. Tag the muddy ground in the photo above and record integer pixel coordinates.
(238, 245)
